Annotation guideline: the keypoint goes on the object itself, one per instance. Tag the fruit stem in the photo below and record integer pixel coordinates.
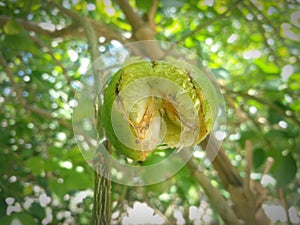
(102, 189)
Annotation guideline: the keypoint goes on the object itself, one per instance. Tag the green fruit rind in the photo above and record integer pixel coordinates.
(192, 93)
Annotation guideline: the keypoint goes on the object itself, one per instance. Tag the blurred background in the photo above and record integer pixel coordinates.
(251, 47)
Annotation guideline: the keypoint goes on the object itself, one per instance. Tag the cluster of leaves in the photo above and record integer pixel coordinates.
(252, 48)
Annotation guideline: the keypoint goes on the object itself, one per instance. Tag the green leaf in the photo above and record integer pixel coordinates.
(35, 7)
(82, 181)
(19, 42)
(4, 137)
(2, 207)
(189, 42)
(157, 157)
(259, 157)
(144, 5)
(257, 37)
(276, 137)
(18, 218)
(294, 81)
(28, 189)
(160, 187)
(57, 188)
(285, 170)
(72, 181)
(273, 117)
(12, 28)
(36, 165)
(266, 66)
(184, 182)
(5, 220)
(37, 210)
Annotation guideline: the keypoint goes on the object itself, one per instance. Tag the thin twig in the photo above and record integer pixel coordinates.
(268, 165)
(45, 114)
(141, 190)
(151, 15)
(284, 205)
(170, 208)
(248, 148)
(263, 102)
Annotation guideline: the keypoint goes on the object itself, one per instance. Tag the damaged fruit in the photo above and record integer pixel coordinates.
(151, 105)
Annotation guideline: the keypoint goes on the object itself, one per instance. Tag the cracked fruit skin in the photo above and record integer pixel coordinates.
(152, 105)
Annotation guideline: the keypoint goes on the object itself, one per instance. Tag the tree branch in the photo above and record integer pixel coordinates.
(142, 30)
(70, 31)
(99, 28)
(228, 174)
(151, 15)
(132, 17)
(45, 114)
(241, 191)
(213, 194)
(91, 37)
(264, 102)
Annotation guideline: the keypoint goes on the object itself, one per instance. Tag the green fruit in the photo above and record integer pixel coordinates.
(152, 105)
